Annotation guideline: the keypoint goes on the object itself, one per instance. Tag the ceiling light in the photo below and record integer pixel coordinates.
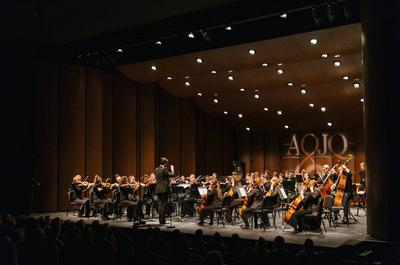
(324, 55)
(356, 84)
(266, 109)
(290, 84)
(337, 63)
(228, 28)
(336, 55)
(213, 72)
(313, 41)
(158, 42)
(286, 126)
(187, 83)
(248, 129)
(200, 94)
(199, 60)
(279, 71)
(283, 15)
(191, 35)
(240, 115)
(215, 94)
(303, 91)
(279, 64)
(257, 96)
(323, 109)
(256, 90)
(215, 100)
(230, 77)
(119, 50)
(230, 71)
(345, 77)
(241, 90)
(153, 67)
(265, 64)
(252, 51)
(187, 77)
(225, 112)
(329, 124)
(169, 77)
(362, 99)
(279, 112)
(311, 105)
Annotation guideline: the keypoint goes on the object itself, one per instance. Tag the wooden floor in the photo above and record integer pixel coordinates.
(334, 237)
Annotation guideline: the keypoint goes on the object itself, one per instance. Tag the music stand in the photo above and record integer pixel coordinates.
(241, 191)
(169, 205)
(202, 191)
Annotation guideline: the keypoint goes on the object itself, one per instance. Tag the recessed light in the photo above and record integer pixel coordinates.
(356, 84)
(313, 41)
(303, 91)
(230, 71)
(215, 94)
(153, 67)
(311, 105)
(191, 35)
(169, 77)
(225, 112)
(286, 126)
(187, 77)
(279, 64)
(264, 64)
(283, 15)
(248, 129)
(323, 109)
(158, 42)
(329, 124)
(241, 90)
(230, 77)
(240, 115)
(215, 100)
(337, 63)
(256, 90)
(362, 99)
(200, 94)
(213, 72)
(187, 83)
(199, 60)
(228, 28)
(279, 112)
(257, 96)
(336, 55)
(290, 84)
(252, 51)
(119, 50)
(279, 71)
(345, 77)
(324, 55)
(266, 109)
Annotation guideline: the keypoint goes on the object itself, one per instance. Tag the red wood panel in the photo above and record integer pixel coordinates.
(271, 152)
(200, 143)
(169, 129)
(214, 145)
(257, 142)
(243, 146)
(94, 122)
(46, 136)
(71, 128)
(146, 102)
(188, 137)
(107, 125)
(124, 126)
(228, 148)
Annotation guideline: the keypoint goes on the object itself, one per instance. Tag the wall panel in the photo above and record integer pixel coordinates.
(107, 125)
(228, 147)
(214, 145)
(188, 137)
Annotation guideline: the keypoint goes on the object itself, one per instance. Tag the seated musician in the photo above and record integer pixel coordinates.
(214, 200)
(310, 205)
(128, 197)
(80, 187)
(236, 201)
(255, 199)
(272, 198)
(100, 189)
(189, 197)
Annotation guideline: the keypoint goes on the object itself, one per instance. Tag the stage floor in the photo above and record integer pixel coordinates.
(342, 234)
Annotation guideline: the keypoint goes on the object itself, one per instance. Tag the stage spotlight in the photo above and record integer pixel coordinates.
(169, 77)
(213, 72)
(240, 115)
(248, 129)
(279, 112)
(311, 105)
(345, 77)
(241, 90)
(362, 99)
(230, 77)
(187, 77)
(330, 13)
(199, 60)
(337, 63)
(225, 112)
(323, 109)
(200, 94)
(313, 41)
(286, 126)
(120, 50)
(283, 15)
(264, 64)
(303, 91)
(158, 42)
(228, 28)
(215, 100)
(187, 83)
(279, 71)
(324, 55)
(290, 84)
(252, 51)
(257, 96)
(153, 67)
(316, 17)
(190, 35)
(266, 109)
(356, 84)
(329, 124)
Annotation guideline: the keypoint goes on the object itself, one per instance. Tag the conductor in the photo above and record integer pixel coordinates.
(162, 187)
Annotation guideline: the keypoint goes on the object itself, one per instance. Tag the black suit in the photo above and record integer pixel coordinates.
(310, 205)
(162, 189)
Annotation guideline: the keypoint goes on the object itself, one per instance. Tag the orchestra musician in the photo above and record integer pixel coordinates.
(236, 201)
(80, 187)
(162, 187)
(363, 180)
(310, 205)
(214, 200)
(348, 190)
(189, 197)
(272, 199)
(148, 192)
(128, 197)
(255, 199)
(100, 189)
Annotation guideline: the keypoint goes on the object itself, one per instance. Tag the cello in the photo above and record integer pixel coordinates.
(341, 184)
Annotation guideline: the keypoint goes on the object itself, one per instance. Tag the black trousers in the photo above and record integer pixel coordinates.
(246, 214)
(162, 206)
(106, 206)
(207, 211)
(346, 205)
(85, 206)
(132, 209)
(235, 203)
(187, 206)
(297, 219)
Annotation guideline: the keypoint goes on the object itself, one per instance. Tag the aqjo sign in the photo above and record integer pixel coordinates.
(322, 145)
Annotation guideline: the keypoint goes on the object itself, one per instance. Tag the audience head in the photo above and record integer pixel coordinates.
(214, 257)
(279, 243)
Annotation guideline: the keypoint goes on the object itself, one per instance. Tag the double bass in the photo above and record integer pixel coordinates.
(341, 184)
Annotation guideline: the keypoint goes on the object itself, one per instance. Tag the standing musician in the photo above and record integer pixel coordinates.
(348, 191)
(80, 187)
(100, 189)
(255, 199)
(162, 187)
(310, 205)
(329, 178)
